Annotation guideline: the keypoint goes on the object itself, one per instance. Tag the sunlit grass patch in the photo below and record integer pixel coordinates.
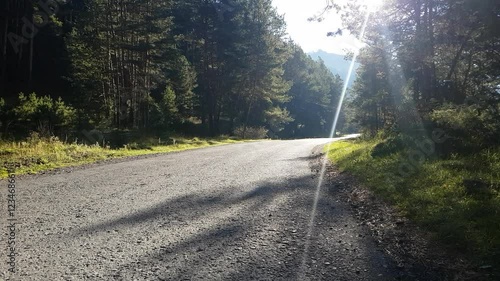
(457, 198)
(35, 154)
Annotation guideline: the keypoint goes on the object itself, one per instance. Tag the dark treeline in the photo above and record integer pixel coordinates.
(201, 67)
(430, 65)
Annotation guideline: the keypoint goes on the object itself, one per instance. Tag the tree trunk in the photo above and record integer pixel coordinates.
(30, 76)
(247, 118)
(4, 49)
(455, 60)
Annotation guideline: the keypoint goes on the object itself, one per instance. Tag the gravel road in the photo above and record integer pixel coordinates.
(233, 212)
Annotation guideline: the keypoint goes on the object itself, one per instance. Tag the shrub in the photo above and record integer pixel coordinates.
(251, 132)
(43, 114)
(471, 127)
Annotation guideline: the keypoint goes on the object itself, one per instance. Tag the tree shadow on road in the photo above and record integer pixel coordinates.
(253, 234)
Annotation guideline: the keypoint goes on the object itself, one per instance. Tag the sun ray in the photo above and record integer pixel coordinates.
(325, 160)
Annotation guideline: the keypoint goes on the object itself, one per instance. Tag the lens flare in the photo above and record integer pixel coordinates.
(325, 159)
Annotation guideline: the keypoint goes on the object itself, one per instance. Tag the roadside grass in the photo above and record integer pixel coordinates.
(457, 199)
(36, 154)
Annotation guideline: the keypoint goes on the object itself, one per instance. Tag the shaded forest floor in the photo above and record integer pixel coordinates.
(40, 154)
(454, 203)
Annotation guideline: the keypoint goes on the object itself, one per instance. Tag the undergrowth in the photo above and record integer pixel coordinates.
(456, 197)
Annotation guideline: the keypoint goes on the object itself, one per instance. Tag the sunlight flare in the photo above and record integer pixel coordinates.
(325, 159)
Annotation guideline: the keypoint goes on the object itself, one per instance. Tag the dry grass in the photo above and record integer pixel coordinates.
(36, 154)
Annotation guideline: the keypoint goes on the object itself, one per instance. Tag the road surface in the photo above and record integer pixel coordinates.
(233, 212)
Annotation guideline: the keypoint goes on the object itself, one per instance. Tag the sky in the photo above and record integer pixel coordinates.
(311, 36)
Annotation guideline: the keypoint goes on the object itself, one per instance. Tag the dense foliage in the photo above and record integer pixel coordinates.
(430, 64)
(201, 67)
(427, 97)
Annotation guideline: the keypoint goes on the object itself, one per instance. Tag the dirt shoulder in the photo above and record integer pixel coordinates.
(416, 253)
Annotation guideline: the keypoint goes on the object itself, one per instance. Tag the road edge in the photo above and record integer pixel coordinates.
(418, 256)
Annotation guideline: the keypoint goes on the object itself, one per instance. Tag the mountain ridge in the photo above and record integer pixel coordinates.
(336, 63)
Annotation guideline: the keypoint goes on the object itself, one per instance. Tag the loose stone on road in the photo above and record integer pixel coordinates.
(234, 212)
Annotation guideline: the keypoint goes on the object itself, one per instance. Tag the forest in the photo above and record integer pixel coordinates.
(82, 79)
(427, 99)
(158, 68)
(429, 65)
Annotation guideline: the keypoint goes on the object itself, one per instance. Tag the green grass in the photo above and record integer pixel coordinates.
(35, 155)
(438, 195)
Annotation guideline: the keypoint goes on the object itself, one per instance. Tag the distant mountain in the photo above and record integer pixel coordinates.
(336, 63)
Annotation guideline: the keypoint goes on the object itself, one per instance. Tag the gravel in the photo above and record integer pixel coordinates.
(232, 212)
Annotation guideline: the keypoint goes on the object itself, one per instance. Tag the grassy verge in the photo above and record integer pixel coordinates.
(34, 155)
(456, 198)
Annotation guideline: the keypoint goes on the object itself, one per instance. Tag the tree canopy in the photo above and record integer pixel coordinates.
(201, 67)
(429, 64)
